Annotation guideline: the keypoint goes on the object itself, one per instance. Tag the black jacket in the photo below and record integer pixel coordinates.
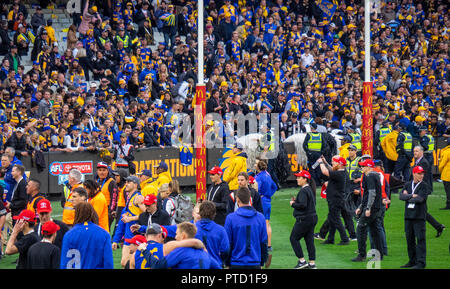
(219, 194)
(255, 201)
(305, 203)
(19, 144)
(371, 199)
(160, 217)
(20, 198)
(415, 208)
(425, 164)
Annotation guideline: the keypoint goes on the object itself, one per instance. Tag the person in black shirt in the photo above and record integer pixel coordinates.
(45, 255)
(415, 195)
(369, 210)
(218, 193)
(305, 220)
(25, 225)
(44, 210)
(337, 180)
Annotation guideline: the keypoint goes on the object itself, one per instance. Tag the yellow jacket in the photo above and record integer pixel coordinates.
(238, 164)
(51, 34)
(343, 150)
(444, 164)
(389, 144)
(101, 208)
(152, 187)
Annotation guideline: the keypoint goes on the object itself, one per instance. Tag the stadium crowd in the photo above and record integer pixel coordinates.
(108, 90)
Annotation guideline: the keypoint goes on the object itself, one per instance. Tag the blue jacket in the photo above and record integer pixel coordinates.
(87, 246)
(246, 229)
(215, 239)
(183, 258)
(266, 186)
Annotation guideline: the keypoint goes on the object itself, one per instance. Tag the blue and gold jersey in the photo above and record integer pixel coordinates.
(154, 248)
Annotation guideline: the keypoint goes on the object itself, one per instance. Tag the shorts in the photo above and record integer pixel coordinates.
(267, 208)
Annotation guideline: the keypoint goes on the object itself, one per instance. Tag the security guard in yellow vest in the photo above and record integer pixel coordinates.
(378, 138)
(34, 195)
(356, 138)
(427, 142)
(314, 146)
(353, 170)
(69, 210)
(122, 37)
(405, 153)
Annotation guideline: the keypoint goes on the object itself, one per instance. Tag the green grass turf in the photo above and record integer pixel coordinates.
(334, 256)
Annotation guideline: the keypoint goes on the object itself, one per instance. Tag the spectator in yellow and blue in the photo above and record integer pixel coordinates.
(276, 74)
(269, 30)
(228, 8)
(117, 14)
(337, 46)
(128, 14)
(380, 86)
(235, 47)
(126, 72)
(89, 40)
(417, 85)
(294, 105)
(338, 80)
(146, 71)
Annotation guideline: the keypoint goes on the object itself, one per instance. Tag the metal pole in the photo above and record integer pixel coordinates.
(200, 51)
(367, 40)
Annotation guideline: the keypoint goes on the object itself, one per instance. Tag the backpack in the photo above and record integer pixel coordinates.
(183, 209)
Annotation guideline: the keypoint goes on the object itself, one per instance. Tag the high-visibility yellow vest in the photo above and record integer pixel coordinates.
(69, 210)
(356, 141)
(430, 143)
(407, 144)
(352, 165)
(384, 131)
(315, 141)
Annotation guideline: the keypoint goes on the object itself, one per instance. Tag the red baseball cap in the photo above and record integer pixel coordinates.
(150, 199)
(340, 160)
(418, 170)
(26, 215)
(251, 180)
(44, 206)
(137, 240)
(49, 228)
(367, 163)
(215, 170)
(304, 174)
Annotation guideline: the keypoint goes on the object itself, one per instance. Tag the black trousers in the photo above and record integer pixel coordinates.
(364, 223)
(402, 168)
(447, 192)
(335, 209)
(433, 222)
(304, 228)
(348, 222)
(416, 241)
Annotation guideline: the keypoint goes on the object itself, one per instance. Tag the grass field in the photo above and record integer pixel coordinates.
(334, 256)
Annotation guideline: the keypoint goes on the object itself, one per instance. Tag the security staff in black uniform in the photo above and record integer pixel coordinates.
(306, 219)
(314, 146)
(405, 153)
(426, 140)
(369, 210)
(420, 160)
(378, 138)
(415, 195)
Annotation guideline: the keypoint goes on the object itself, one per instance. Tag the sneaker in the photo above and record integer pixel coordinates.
(353, 239)
(359, 258)
(439, 231)
(301, 265)
(318, 237)
(269, 250)
(312, 266)
(343, 243)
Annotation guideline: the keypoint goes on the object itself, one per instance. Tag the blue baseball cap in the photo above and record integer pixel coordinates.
(162, 165)
(46, 128)
(95, 129)
(86, 130)
(76, 128)
(147, 173)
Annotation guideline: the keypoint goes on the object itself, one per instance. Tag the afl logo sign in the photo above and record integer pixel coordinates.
(56, 168)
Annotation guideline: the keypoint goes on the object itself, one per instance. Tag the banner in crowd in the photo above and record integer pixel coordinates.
(327, 8)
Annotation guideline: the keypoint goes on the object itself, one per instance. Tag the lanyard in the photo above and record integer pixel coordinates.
(414, 187)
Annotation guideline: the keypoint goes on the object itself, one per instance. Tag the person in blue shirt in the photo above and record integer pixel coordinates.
(155, 236)
(266, 188)
(86, 245)
(182, 257)
(246, 229)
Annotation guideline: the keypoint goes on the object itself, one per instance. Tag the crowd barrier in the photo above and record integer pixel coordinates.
(58, 164)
